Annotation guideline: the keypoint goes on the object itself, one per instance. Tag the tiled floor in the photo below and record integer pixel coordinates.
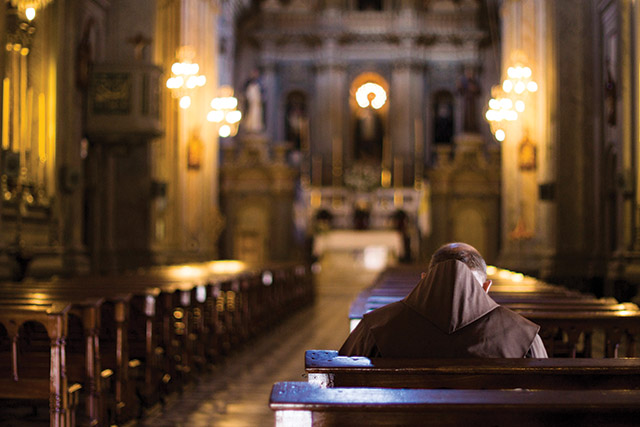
(237, 392)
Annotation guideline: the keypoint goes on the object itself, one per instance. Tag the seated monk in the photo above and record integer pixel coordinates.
(447, 315)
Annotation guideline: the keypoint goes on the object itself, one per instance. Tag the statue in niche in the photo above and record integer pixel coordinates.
(443, 120)
(364, 5)
(254, 109)
(610, 98)
(469, 89)
(295, 118)
(527, 154)
(195, 148)
(369, 134)
(84, 56)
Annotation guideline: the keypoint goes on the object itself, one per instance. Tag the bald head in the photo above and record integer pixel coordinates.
(464, 253)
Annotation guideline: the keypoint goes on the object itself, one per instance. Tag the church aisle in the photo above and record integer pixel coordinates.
(236, 394)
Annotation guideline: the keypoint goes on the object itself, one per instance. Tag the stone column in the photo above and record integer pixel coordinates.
(68, 137)
(269, 81)
(329, 131)
(406, 106)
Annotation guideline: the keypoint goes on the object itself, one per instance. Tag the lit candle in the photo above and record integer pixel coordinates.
(33, 160)
(6, 87)
(418, 156)
(41, 140)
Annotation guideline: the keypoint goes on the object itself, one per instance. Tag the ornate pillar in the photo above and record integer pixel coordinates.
(269, 81)
(406, 112)
(331, 99)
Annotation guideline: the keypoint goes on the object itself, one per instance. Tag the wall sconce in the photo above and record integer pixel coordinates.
(508, 99)
(225, 113)
(185, 77)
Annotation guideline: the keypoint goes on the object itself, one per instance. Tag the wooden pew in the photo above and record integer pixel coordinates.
(34, 383)
(83, 358)
(567, 318)
(109, 336)
(302, 404)
(325, 368)
(160, 320)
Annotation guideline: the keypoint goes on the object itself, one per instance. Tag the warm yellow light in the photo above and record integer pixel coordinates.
(511, 72)
(226, 267)
(215, 116)
(532, 86)
(494, 104)
(185, 272)
(176, 68)
(491, 270)
(30, 13)
(520, 106)
(234, 116)
(504, 274)
(192, 82)
(519, 87)
(500, 135)
(506, 103)
(363, 95)
(185, 102)
(225, 131)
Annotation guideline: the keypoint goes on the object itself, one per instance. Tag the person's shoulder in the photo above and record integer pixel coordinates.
(517, 321)
(383, 314)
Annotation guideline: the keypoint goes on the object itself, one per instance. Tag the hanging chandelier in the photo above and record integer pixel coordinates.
(185, 77)
(508, 100)
(224, 112)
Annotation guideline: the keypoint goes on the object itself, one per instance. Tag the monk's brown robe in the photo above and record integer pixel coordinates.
(447, 315)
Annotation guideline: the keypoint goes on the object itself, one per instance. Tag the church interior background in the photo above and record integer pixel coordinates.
(352, 122)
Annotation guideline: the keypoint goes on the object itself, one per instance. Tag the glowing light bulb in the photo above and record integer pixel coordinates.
(225, 131)
(30, 13)
(519, 87)
(507, 86)
(215, 116)
(185, 102)
(234, 116)
(500, 135)
(532, 87)
(519, 106)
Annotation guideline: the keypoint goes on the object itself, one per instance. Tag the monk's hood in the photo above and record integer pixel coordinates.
(450, 297)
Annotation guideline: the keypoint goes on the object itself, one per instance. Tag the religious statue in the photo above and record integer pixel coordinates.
(254, 113)
(469, 88)
(295, 119)
(527, 154)
(369, 133)
(610, 98)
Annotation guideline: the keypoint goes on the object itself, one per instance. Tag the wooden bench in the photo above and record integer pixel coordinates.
(325, 368)
(45, 382)
(301, 404)
(569, 320)
(82, 347)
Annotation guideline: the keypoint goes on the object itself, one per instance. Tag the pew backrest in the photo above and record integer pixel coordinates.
(302, 404)
(327, 369)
